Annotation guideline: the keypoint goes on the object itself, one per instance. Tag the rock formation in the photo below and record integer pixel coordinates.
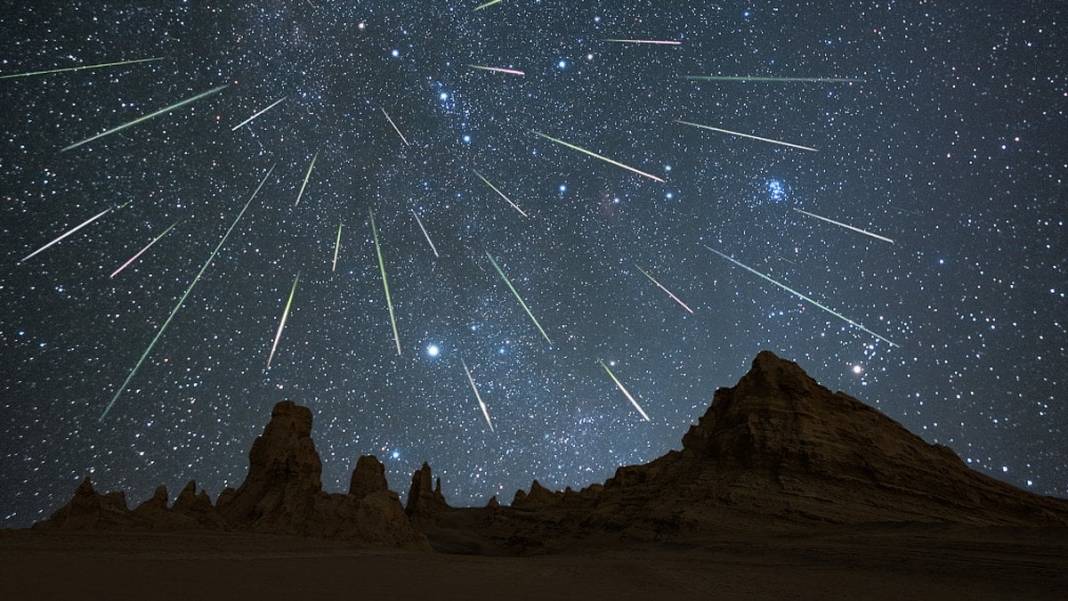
(422, 500)
(368, 477)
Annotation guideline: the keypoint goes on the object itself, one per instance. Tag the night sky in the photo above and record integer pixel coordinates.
(951, 143)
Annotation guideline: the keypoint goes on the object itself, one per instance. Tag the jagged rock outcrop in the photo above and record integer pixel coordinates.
(282, 493)
(493, 503)
(368, 477)
(422, 499)
(539, 497)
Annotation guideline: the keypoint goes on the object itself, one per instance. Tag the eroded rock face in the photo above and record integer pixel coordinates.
(422, 499)
(368, 477)
(89, 510)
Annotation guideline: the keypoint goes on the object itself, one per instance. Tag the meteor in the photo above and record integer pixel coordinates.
(487, 4)
(803, 297)
(494, 188)
(655, 42)
(142, 251)
(306, 177)
(249, 120)
(282, 324)
(623, 389)
(82, 68)
(661, 286)
(597, 156)
(481, 404)
(64, 235)
(518, 298)
(773, 79)
(428, 240)
(181, 301)
(741, 135)
(337, 247)
(845, 225)
(395, 128)
(162, 111)
(385, 281)
(498, 70)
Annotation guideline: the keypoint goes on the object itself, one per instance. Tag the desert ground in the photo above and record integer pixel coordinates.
(871, 562)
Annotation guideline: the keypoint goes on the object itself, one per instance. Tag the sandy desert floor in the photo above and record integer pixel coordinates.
(891, 562)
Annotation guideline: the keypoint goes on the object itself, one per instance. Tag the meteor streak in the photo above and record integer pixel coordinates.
(803, 297)
(142, 251)
(395, 128)
(282, 324)
(518, 298)
(656, 42)
(181, 301)
(773, 79)
(306, 177)
(481, 404)
(249, 120)
(337, 247)
(741, 135)
(661, 286)
(597, 156)
(82, 68)
(845, 225)
(64, 235)
(428, 240)
(494, 188)
(623, 389)
(162, 111)
(385, 281)
(498, 70)
(487, 4)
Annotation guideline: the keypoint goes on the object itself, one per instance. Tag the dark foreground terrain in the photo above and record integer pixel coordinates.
(783, 489)
(875, 562)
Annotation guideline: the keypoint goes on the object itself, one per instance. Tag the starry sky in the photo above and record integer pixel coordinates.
(950, 143)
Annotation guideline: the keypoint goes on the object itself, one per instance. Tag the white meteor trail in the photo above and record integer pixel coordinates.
(64, 235)
(142, 251)
(487, 4)
(395, 128)
(385, 281)
(307, 176)
(654, 42)
(498, 70)
(82, 68)
(428, 240)
(597, 156)
(773, 79)
(741, 135)
(494, 188)
(661, 286)
(845, 225)
(624, 390)
(337, 247)
(517, 297)
(803, 297)
(181, 301)
(282, 323)
(481, 404)
(162, 111)
(249, 120)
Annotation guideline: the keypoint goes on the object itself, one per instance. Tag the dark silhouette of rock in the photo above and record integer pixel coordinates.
(225, 497)
(538, 497)
(89, 510)
(368, 477)
(422, 499)
(493, 503)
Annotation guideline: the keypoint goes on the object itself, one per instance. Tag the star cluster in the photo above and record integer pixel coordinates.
(951, 144)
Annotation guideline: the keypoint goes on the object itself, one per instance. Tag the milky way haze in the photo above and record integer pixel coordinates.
(945, 141)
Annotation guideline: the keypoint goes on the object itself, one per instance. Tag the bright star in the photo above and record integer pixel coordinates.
(433, 350)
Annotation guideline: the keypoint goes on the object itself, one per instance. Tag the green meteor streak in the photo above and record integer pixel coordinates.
(385, 282)
(519, 298)
(337, 247)
(624, 390)
(282, 324)
(147, 117)
(163, 328)
(82, 68)
(597, 156)
(487, 4)
(307, 176)
(773, 79)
